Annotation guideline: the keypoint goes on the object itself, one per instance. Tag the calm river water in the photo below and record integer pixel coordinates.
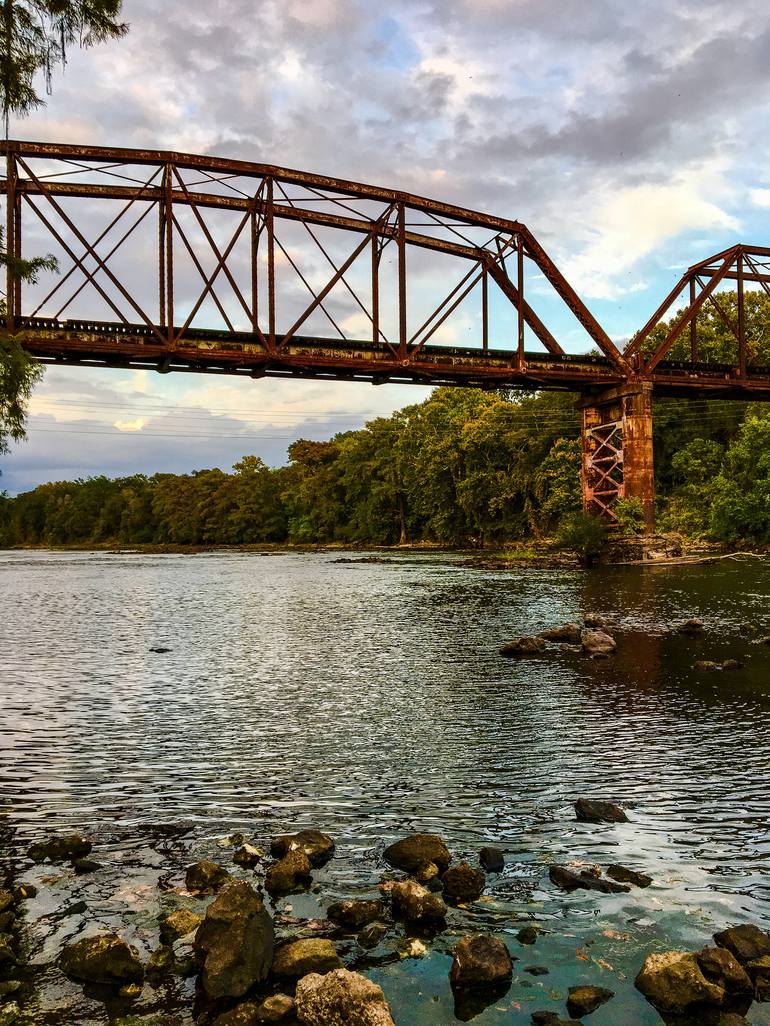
(368, 699)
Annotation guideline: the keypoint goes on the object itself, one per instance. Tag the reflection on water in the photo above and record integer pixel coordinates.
(369, 700)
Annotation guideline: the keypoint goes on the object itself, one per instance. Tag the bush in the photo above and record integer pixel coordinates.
(585, 534)
(630, 516)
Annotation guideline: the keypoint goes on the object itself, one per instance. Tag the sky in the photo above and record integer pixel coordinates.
(628, 137)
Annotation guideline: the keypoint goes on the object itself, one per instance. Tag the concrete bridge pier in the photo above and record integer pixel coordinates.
(617, 450)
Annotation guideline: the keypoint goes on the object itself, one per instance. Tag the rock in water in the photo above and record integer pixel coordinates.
(178, 924)
(720, 966)
(103, 959)
(247, 856)
(746, 942)
(598, 643)
(291, 873)
(371, 935)
(318, 847)
(569, 634)
(523, 648)
(528, 935)
(480, 961)
(672, 981)
(341, 998)
(412, 852)
(234, 943)
(623, 875)
(276, 1008)
(492, 859)
(415, 904)
(594, 620)
(569, 881)
(60, 849)
(692, 627)
(205, 877)
(300, 957)
(589, 810)
(463, 883)
(354, 915)
(584, 1000)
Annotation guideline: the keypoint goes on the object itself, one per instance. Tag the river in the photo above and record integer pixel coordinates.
(368, 699)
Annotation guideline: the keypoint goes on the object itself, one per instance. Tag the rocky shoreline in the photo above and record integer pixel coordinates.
(228, 936)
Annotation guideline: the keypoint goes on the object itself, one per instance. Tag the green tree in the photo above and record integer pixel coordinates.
(740, 507)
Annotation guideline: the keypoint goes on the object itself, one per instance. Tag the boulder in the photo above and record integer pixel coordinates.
(746, 942)
(9, 1014)
(7, 900)
(523, 648)
(552, 1019)
(693, 627)
(103, 959)
(234, 943)
(414, 851)
(569, 881)
(300, 957)
(371, 935)
(759, 972)
(244, 1014)
(528, 935)
(247, 856)
(178, 924)
(60, 848)
(463, 883)
(415, 904)
(480, 961)
(598, 643)
(206, 877)
(624, 875)
(706, 665)
(276, 1008)
(732, 664)
(161, 961)
(492, 859)
(594, 621)
(590, 810)
(354, 915)
(7, 956)
(288, 874)
(83, 866)
(569, 634)
(584, 1000)
(426, 872)
(341, 998)
(318, 847)
(720, 966)
(672, 981)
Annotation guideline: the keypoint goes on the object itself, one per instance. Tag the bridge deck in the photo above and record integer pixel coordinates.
(118, 345)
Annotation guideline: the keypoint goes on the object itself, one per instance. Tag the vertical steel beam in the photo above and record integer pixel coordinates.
(270, 224)
(402, 323)
(162, 261)
(169, 218)
(253, 226)
(10, 242)
(741, 321)
(375, 289)
(520, 303)
(484, 309)
(693, 326)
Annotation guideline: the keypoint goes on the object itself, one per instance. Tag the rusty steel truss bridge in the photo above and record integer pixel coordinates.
(185, 263)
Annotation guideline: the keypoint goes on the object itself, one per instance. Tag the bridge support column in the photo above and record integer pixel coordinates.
(617, 450)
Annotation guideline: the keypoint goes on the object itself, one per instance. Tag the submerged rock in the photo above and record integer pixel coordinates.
(291, 873)
(598, 643)
(354, 915)
(341, 998)
(234, 943)
(590, 810)
(178, 924)
(523, 648)
(106, 959)
(416, 850)
(60, 849)
(624, 875)
(746, 942)
(83, 866)
(463, 883)
(415, 904)
(552, 1019)
(480, 961)
(569, 881)
(528, 935)
(371, 935)
(569, 634)
(318, 847)
(672, 981)
(206, 877)
(161, 961)
(584, 1000)
(492, 859)
(300, 957)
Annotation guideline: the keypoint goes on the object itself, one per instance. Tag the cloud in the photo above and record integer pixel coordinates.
(130, 425)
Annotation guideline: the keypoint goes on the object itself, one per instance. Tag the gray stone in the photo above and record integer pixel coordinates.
(106, 958)
(300, 957)
(234, 943)
(341, 998)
